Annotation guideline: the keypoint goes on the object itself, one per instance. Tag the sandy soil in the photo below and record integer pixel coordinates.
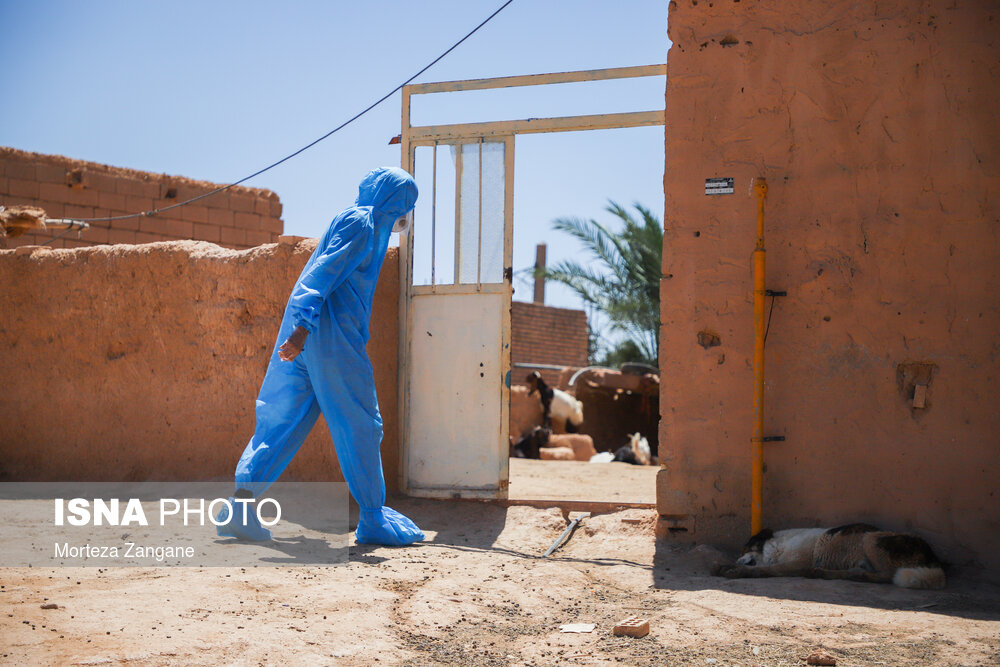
(531, 479)
(477, 593)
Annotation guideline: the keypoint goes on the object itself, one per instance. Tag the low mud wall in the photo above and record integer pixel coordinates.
(143, 362)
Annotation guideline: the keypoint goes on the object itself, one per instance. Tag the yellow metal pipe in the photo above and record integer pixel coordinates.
(759, 255)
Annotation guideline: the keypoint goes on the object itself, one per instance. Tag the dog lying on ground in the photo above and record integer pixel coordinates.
(858, 551)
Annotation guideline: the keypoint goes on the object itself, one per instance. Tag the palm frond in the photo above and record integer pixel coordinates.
(623, 280)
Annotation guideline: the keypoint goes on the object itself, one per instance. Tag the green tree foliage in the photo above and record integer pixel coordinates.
(621, 280)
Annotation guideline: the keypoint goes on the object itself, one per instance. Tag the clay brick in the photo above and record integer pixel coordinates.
(275, 208)
(151, 225)
(194, 213)
(273, 225)
(178, 228)
(262, 206)
(96, 235)
(54, 210)
(22, 188)
(78, 212)
(633, 626)
(151, 189)
(50, 173)
(233, 236)
(102, 182)
(18, 169)
(129, 187)
(220, 200)
(111, 201)
(207, 233)
(219, 216)
(130, 224)
(135, 188)
(138, 204)
(121, 236)
(53, 192)
(241, 203)
(248, 221)
(164, 205)
(256, 237)
(82, 197)
(216, 200)
(185, 192)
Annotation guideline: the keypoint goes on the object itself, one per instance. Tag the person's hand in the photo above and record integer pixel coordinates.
(293, 346)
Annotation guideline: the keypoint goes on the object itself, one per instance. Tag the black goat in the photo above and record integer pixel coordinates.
(529, 444)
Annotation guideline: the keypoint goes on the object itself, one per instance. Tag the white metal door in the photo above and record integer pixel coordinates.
(458, 321)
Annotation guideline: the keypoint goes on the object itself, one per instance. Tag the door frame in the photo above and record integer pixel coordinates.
(428, 135)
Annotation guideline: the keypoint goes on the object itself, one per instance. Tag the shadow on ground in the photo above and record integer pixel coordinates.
(685, 566)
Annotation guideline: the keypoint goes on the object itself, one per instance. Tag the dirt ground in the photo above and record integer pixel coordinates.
(531, 479)
(478, 593)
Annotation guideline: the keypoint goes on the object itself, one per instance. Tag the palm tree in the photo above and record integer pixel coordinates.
(623, 280)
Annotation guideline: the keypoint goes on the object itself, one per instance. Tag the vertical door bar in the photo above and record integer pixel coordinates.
(508, 206)
(508, 261)
(479, 244)
(434, 213)
(405, 273)
(458, 214)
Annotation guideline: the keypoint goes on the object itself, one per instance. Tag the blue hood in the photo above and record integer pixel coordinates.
(391, 192)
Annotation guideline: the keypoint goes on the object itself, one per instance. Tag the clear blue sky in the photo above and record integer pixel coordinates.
(216, 90)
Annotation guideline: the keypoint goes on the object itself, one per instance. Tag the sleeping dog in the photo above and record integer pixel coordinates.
(858, 551)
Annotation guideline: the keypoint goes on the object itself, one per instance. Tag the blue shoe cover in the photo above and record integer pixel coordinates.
(233, 526)
(386, 526)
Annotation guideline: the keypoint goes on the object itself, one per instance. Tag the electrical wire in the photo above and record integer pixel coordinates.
(59, 236)
(310, 144)
(769, 313)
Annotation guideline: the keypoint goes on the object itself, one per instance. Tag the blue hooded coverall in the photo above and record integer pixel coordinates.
(333, 301)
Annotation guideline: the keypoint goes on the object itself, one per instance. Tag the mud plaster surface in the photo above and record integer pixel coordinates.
(874, 124)
(143, 362)
(476, 593)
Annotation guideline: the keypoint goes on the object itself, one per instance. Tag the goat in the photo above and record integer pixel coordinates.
(635, 452)
(556, 403)
(530, 443)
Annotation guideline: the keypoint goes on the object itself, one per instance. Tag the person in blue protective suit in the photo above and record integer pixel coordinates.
(319, 364)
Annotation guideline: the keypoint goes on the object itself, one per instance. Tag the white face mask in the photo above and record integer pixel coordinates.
(401, 224)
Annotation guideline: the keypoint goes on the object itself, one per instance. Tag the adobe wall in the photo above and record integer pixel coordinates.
(546, 335)
(875, 126)
(237, 218)
(123, 363)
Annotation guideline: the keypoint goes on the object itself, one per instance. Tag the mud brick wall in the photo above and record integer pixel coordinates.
(546, 335)
(237, 218)
(875, 127)
(143, 362)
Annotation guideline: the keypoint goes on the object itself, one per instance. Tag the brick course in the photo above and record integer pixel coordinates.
(64, 187)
